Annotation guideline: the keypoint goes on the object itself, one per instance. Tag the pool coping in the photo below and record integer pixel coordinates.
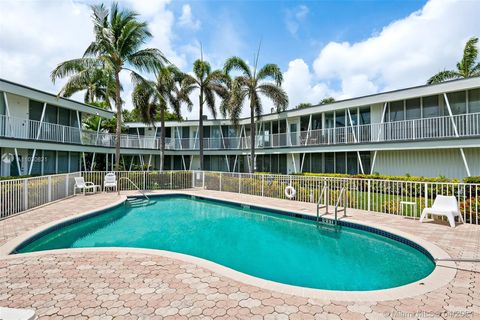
(441, 275)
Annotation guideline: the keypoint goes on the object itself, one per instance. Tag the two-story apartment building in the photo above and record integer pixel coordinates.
(428, 130)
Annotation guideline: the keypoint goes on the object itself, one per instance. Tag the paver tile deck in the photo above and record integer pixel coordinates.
(112, 285)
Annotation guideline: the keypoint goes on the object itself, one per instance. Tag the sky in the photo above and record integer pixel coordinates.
(332, 48)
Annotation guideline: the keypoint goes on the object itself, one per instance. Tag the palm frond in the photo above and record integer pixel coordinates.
(275, 93)
(237, 63)
(470, 54)
(271, 71)
(444, 76)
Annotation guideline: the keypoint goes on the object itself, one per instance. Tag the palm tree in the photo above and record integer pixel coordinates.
(252, 84)
(118, 38)
(209, 84)
(466, 67)
(153, 97)
(99, 86)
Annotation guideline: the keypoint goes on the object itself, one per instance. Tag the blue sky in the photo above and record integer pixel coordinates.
(291, 29)
(324, 48)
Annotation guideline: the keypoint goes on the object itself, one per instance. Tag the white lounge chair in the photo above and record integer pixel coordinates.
(80, 184)
(110, 181)
(444, 206)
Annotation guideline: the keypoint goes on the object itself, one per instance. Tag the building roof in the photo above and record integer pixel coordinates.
(50, 98)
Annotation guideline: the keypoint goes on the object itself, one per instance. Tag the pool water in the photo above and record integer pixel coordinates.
(253, 241)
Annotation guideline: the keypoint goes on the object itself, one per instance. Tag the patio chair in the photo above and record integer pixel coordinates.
(444, 206)
(110, 181)
(80, 184)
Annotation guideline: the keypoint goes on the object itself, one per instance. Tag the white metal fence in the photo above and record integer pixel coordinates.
(464, 125)
(22, 194)
(382, 196)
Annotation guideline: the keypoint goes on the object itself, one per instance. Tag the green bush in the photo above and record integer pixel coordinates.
(475, 179)
(377, 176)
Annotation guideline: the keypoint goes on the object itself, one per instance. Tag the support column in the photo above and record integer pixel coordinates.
(455, 129)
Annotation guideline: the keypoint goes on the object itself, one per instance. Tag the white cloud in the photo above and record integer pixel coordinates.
(405, 53)
(298, 84)
(187, 20)
(294, 17)
(35, 36)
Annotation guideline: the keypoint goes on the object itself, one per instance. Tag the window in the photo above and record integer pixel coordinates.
(63, 117)
(474, 101)
(340, 166)
(329, 162)
(430, 107)
(62, 161)
(354, 117)
(35, 109)
(2, 104)
(396, 111)
(340, 119)
(329, 120)
(352, 163)
(49, 162)
(316, 162)
(458, 102)
(364, 115)
(317, 121)
(413, 109)
(74, 161)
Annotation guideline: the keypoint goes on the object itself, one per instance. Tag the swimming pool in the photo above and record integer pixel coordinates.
(262, 243)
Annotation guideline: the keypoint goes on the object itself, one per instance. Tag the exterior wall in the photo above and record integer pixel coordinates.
(18, 106)
(428, 163)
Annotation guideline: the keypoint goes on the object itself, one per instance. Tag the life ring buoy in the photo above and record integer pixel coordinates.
(290, 192)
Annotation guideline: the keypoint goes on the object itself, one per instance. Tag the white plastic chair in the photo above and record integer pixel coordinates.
(85, 186)
(444, 206)
(110, 181)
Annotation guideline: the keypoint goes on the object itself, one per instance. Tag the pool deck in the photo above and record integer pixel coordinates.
(137, 284)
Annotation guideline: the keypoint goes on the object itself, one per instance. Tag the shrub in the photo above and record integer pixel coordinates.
(475, 179)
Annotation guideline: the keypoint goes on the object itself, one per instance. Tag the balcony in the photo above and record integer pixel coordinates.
(459, 126)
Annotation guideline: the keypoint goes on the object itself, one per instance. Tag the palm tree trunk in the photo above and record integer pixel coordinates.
(252, 136)
(200, 127)
(162, 138)
(118, 105)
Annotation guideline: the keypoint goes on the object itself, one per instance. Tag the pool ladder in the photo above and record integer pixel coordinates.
(342, 196)
(135, 201)
(324, 195)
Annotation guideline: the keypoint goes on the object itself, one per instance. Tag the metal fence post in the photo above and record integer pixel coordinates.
(25, 193)
(144, 180)
(263, 182)
(220, 186)
(203, 179)
(426, 194)
(171, 179)
(239, 183)
(66, 184)
(368, 195)
(49, 188)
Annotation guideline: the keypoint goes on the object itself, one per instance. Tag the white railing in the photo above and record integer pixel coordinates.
(383, 196)
(465, 125)
(18, 195)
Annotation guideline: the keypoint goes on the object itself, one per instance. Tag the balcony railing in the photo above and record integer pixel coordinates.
(465, 125)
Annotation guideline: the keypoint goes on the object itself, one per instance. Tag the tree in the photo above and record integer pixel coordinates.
(209, 85)
(466, 68)
(98, 84)
(251, 84)
(118, 38)
(327, 100)
(303, 105)
(151, 98)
